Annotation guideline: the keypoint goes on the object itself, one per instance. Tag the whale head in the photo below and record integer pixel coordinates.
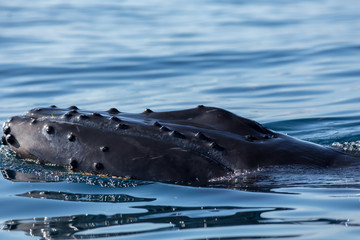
(125, 145)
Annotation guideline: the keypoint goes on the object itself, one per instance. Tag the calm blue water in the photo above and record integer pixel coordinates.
(292, 65)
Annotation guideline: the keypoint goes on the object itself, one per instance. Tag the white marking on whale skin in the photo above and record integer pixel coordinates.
(48, 136)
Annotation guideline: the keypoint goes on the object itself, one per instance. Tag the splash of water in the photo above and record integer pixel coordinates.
(348, 146)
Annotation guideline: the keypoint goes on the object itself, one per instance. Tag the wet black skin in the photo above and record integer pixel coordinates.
(193, 145)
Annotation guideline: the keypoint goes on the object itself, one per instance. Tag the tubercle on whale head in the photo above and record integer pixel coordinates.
(54, 112)
(113, 111)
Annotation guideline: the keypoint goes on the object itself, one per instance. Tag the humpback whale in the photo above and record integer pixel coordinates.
(192, 145)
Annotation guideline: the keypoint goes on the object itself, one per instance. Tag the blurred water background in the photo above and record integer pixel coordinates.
(291, 65)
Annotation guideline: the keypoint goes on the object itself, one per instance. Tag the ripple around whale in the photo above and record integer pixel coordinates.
(196, 145)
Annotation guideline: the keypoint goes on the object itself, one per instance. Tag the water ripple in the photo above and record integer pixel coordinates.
(293, 66)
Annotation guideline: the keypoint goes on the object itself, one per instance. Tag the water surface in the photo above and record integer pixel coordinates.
(293, 66)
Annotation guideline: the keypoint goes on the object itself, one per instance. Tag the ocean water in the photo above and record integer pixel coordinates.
(292, 65)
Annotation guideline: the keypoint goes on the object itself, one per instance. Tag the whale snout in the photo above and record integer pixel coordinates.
(17, 131)
(8, 138)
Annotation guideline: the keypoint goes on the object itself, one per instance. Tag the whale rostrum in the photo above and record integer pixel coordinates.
(192, 145)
